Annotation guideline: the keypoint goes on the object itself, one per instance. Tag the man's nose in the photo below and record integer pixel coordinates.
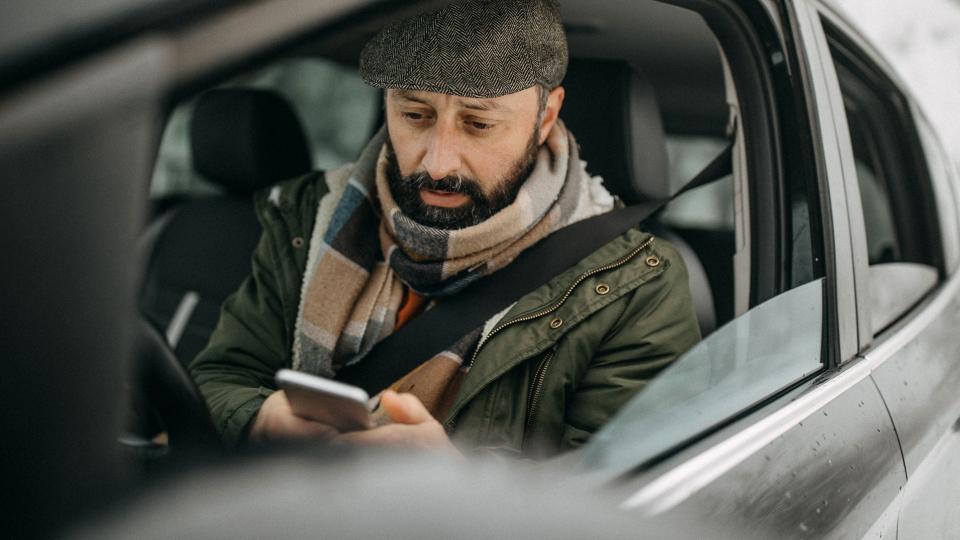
(443, 156)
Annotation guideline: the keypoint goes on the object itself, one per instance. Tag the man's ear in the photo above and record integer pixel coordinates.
(551, 112)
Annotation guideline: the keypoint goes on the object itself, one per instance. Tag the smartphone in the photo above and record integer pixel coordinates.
(343, 406)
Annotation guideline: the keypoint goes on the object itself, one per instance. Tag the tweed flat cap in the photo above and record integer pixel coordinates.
(473, 48)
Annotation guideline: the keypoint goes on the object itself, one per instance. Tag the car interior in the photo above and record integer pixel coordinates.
(647, 121)
(657, 106)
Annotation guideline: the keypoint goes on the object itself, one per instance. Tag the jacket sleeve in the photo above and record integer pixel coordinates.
(235, 371)
(252, 340)
(657, 325)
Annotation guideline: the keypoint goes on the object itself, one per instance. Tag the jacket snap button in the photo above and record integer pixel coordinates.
(556, 323)
(653, 261)
(297, 242)
(602, 288)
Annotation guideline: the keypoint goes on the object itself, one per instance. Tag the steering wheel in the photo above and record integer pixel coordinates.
(162, 390)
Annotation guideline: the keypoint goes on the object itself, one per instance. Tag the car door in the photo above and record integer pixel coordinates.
(773, 427)
(913, 309)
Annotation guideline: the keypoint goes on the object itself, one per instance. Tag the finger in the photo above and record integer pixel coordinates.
(404, 408)
(386, 435)
(308, 429)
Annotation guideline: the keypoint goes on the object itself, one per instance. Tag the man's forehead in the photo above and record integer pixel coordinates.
(503, 103)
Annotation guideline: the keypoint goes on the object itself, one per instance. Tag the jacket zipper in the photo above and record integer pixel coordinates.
(536, 387)
(551, 307)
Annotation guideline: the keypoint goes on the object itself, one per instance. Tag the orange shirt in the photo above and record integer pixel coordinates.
(413, 305)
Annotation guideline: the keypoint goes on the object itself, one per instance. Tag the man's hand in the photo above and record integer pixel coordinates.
(412, 427)
(277, 421)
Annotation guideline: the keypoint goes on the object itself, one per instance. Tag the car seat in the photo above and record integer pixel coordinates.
(241, 140)
(612, 110)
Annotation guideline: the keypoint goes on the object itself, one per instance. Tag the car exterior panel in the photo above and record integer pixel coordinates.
(825, 464)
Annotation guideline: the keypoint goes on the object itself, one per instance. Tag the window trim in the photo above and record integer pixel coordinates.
(843, 327)
(945, 189)
(881, 75)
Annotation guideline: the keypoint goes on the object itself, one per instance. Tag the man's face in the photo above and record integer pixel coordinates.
(455, 161)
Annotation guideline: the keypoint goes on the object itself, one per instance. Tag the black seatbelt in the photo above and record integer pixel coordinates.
(436, 330)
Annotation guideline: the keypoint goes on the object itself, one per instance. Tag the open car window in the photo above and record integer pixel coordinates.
(767, 340)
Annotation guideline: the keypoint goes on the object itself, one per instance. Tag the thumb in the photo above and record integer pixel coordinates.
(404, 408)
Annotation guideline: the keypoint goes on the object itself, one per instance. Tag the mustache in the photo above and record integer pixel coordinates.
(451, 184)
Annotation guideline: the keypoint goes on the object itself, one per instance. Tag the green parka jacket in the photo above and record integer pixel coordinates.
(556, 367)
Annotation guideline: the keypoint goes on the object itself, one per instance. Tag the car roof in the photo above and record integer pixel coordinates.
(38, 34)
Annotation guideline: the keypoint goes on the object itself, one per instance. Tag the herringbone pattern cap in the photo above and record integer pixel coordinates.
(474, 48)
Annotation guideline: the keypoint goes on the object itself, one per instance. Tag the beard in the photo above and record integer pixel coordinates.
(479, 206)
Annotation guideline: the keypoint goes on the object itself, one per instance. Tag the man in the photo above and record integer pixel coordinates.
(473, 167)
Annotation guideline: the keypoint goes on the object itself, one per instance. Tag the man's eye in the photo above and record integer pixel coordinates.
(414, 116)
(480, 125)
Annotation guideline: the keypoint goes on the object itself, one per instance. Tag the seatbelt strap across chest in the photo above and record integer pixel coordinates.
(452, 318)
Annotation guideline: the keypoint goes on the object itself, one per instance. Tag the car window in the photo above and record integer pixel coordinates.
(335, 133)
(757, 354)
(899, 212)
(771, 346)
(946, 193)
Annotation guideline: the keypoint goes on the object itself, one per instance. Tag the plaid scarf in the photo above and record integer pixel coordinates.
(364, 252)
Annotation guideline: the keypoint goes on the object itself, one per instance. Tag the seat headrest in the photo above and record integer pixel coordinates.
(613, 113)
(245, 139)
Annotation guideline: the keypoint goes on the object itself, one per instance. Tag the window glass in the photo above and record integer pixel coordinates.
(746, 361)
(900, 215)
(946, 194)
(337, 110)
(802, 262)
(882, 246)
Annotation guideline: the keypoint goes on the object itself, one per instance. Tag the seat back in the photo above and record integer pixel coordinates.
(242, 140)
(612, 110)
